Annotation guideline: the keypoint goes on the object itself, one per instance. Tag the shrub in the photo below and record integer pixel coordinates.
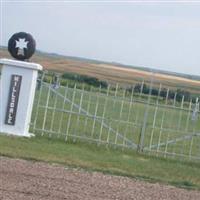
(85, 79)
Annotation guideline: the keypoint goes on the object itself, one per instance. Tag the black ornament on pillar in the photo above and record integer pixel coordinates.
(21, 46)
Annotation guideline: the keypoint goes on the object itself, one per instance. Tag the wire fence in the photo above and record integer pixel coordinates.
(158, 121)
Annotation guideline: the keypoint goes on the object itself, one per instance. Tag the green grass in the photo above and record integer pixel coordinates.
(122, 115)
(107, 160)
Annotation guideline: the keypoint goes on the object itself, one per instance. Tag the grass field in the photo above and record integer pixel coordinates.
(117, 120)
(112, 161)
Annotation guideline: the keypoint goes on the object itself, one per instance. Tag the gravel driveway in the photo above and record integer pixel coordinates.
(26, 180)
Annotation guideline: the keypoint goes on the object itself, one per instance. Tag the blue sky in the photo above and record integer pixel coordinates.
(162, 35)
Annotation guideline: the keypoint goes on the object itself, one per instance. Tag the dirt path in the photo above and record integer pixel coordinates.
(25, 180)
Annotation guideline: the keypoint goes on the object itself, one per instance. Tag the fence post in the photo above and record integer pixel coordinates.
(141, 139)
(38, 101)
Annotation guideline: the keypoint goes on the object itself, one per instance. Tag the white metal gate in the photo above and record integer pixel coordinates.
(149, 123)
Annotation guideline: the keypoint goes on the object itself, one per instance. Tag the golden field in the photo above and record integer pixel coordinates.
(108, 72)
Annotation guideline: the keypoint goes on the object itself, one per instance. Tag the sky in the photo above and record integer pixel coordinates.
(157, 34)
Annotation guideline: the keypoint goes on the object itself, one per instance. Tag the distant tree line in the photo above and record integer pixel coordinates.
(85, 79)
(177, 94)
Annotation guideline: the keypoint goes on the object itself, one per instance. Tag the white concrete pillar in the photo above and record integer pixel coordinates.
(17, 89)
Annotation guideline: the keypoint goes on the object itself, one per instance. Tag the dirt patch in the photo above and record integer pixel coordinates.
(24, 180)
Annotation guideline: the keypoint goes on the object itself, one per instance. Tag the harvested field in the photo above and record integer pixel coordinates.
(24, 180)
(108, 72)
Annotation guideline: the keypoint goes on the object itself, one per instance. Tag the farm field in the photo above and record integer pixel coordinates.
(108, 72)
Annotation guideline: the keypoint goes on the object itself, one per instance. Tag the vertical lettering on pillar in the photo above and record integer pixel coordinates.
(13, 99)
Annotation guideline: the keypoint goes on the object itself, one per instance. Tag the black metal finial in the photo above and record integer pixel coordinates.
(21, 46)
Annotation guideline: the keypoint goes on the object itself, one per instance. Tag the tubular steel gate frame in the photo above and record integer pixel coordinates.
(146, 123)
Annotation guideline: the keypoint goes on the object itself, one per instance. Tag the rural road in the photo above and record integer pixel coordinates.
(26, 180)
